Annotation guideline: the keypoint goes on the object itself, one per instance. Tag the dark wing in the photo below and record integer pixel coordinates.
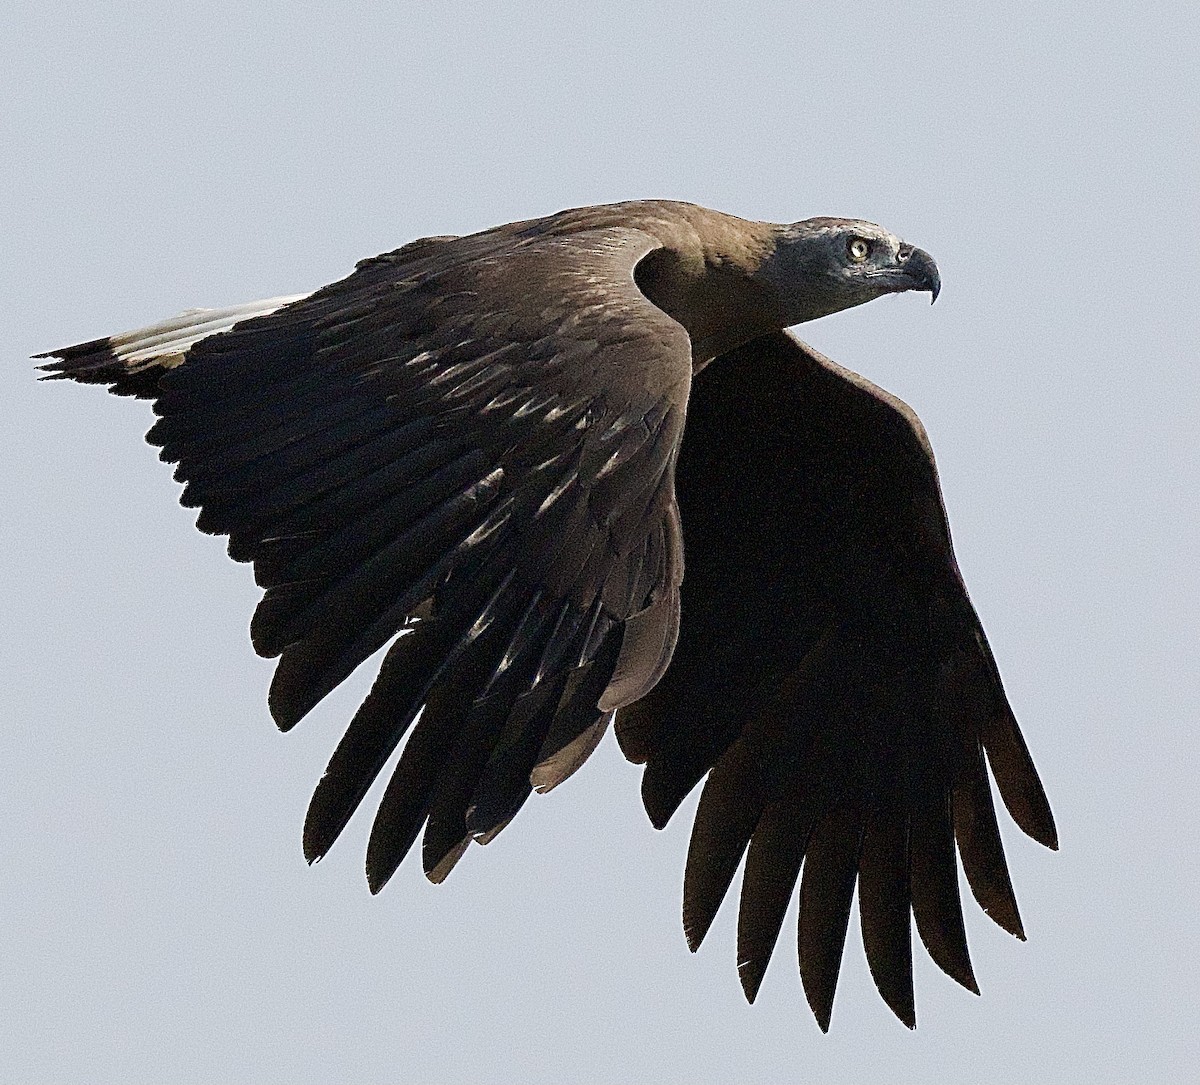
(832, 674)
(470, 442)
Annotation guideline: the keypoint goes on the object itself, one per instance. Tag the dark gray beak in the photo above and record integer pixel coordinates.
(921, 269)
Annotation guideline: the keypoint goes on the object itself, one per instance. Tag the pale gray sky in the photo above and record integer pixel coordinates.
(160, 923)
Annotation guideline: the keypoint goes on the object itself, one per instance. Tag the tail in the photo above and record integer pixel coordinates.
(132, 363)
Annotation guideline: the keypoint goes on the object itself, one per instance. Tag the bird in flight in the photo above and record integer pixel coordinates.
(498, 454)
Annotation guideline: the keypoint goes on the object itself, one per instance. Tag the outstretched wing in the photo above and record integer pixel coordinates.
(833, 676)
(470, 442)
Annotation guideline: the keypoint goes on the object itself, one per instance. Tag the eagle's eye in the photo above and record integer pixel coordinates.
(859, 249)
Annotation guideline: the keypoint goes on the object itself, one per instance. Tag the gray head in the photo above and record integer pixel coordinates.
(822, 265)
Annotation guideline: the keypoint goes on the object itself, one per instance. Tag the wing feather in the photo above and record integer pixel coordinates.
(726, 818)
(772, 870)
(884, 900)
(981, 849)
(468, 445)
(937, 907)
(826, 893)
(832, 679)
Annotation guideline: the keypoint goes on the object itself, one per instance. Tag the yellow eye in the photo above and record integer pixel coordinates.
(859, 249)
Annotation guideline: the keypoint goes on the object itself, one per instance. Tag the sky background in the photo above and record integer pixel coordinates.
(159, 923)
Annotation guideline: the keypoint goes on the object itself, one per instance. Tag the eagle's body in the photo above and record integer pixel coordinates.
(501, 445)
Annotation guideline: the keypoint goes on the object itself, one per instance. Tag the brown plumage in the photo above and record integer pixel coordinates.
(489, 452)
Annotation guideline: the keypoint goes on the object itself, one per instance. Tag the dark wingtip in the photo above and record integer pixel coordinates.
(1003, 911)
(662, 795)
(377, 876)
(1037, 822)
(440, 871)
(820, 997)
(960, 970)
(822, 1012)
(314, 852)
(751, 974)
(383, 855)
(287, 699)
(322, 825)
(1033, 817)
(906, 1013)
(1017, 779)
(658, 811)
(898, 996)
(284, 714)
(698, 918)
(1011, 923)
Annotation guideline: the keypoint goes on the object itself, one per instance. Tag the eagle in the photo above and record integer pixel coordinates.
(497, 454)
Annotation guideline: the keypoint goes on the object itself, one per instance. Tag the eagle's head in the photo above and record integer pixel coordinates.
(822, 265)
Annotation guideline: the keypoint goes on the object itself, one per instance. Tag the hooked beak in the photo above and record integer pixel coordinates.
(922, 272)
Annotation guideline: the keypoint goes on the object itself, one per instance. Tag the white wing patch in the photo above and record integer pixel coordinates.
(167, 341)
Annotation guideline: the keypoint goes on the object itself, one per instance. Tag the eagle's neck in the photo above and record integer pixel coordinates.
(708, 277)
